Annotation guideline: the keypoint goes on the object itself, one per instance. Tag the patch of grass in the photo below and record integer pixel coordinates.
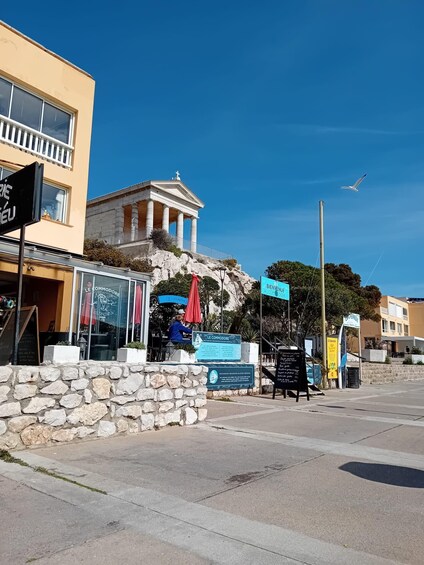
(8, 458)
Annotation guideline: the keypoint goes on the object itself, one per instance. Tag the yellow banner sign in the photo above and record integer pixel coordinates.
(332, 357)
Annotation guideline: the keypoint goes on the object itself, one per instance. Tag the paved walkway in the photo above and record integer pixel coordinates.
(338, 480)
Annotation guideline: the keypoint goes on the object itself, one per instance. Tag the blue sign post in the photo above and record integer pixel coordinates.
(276, 289)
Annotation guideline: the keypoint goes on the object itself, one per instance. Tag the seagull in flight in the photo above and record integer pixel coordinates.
(354, 187)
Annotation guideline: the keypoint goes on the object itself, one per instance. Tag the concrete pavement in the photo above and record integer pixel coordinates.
(337, 480)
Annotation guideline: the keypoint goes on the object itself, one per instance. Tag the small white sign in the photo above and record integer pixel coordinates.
(352, 321)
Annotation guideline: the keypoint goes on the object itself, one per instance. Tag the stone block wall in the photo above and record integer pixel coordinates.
(379, 373)
(62, 403)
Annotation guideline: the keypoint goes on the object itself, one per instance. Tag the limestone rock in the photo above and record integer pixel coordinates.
(182, 370)
(70, 373)
(190, 416)
(122, 399)
(93, 372)
(157, 380)
(151, 368)
(10, 409)
(190, 392)
(83, 431)
(165, 394)
(147, 422)
(122, 425)
(64, 435)
(4, 391)
(54, 417)
(202, 413)
(203, 390)
(57, 387)
(88, 414)
(27, 376)
(173, 381)
(160, 420)
(196, 370)
(49, 374)
(136, 368)
(168, 369)
(133, 428)
(129, 384)
(101, 387)
(79, 384)
(3, 427)
(180, 403)
(71, 400)
(106, 429)
(24, 391)
(115, 373)
(179, 393)
(199, 402)
(166, 406)
(5, 374)
(187, 383)
(9, 441)
(145, 394)
(129, 411)
(88, 396)
(36, 434)
(149, 407)
(173, 417)
(20, 423)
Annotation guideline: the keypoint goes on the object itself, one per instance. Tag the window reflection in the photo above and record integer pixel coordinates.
(26, 108)
(56, 123)
(5, 90)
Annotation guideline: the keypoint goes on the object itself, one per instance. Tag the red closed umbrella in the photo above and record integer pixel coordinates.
(193, 314)
(137, 308)
(86, 307)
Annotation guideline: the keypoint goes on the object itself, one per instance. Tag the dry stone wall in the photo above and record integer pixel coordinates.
(379, 373)
(62, 403)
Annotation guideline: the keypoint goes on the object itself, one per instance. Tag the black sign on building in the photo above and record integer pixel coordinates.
(20, 198)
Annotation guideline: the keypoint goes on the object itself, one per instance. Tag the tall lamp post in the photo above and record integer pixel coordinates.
(323, 324)
(222, 271)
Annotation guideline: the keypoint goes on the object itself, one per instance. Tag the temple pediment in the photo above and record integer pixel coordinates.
(178, 189)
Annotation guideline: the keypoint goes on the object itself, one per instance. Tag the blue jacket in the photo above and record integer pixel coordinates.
(176, 331)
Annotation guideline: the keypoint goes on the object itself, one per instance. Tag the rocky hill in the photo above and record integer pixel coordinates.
(165, 265)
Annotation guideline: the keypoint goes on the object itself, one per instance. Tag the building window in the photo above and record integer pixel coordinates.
(405, 330)
(392, 309)
(384, 325)
(392, 327)
(32, 111)
(53, 199)
(405, 313)
(399, 329)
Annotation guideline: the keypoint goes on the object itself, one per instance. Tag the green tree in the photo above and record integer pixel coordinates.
(100, 251)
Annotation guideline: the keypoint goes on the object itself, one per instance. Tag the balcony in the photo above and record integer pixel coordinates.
(35, 142)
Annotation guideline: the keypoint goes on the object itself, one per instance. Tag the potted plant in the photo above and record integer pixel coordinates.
(133, 352)
(62, 352)
(417, 354)
(183, 353)
(250, 346)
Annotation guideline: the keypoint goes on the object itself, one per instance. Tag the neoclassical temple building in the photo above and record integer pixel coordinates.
(127, 216)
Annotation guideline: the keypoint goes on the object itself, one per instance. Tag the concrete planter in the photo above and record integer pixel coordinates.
(62, 353)
(374, 355)
(132, 355)
(249, 352)
(416, 358)
(181, 356)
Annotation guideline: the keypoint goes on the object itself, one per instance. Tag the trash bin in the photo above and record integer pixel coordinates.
(353, 377)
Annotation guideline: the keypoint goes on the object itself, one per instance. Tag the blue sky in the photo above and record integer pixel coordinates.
(265, 108)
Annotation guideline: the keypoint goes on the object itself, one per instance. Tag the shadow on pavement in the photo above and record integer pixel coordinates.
(387, 474)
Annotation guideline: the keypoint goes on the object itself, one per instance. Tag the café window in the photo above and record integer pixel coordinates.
(53, 199)
(34, 112)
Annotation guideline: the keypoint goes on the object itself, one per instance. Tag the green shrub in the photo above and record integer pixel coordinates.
(420, 363)
(188, 347)
(408, 360)
(63, 343)
(388, 360)
(175, 250)
(161, 239)
(231, 263)
(135, 345)
(416, 350)
(100, 251)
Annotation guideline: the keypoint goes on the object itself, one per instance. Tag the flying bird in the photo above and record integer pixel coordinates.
(354, 187)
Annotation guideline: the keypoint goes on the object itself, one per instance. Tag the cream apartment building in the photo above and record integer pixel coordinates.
(46, 108)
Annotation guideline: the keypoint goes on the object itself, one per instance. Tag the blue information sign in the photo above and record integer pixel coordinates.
(217, 347)
(276, 289)
(230, 376)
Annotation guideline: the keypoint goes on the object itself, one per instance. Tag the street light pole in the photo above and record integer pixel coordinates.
(222, 272)
(323, 324)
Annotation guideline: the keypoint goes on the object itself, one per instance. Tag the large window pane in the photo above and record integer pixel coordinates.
(5, 90)
(53, 203)
(26, 108)
(56, 123)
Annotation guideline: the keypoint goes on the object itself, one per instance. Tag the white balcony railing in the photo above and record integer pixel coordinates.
(35, 142)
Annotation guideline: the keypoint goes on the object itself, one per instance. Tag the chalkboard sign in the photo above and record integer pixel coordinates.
(29, 349)
(290, 373)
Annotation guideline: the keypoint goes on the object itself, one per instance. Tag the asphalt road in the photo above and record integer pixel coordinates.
(338, 480)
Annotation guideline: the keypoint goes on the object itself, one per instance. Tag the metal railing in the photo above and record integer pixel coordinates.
(35, 142)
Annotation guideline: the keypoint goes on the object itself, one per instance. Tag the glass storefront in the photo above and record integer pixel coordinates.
(108, 313)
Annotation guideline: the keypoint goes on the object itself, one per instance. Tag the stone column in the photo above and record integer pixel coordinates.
(165, 218)
(119, 225)
(149, 218)
(193, 235)
(180, 230)
(134, 221)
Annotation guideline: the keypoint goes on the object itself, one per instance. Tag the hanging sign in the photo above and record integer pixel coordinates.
(352, 321)
(20, 198)
(332, 357)
(276, 289)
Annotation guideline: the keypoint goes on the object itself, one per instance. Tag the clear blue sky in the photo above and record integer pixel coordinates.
(265, 108)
